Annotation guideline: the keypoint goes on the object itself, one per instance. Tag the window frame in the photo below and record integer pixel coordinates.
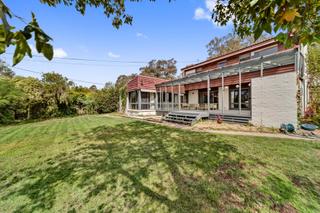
(244, 88)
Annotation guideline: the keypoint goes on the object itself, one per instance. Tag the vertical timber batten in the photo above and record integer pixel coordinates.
(240, 92)
(179, 97)
(160, 98)
(222, 83)
(172, 98)
(165, 98)
(208, 92)
(156, 100)
(139, 99)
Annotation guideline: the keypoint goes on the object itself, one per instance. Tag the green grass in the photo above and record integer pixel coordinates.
(114, 164)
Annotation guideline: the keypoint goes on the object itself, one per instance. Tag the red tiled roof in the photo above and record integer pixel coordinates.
(144, 82)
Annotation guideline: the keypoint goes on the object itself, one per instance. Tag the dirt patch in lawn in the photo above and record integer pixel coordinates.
(213, 125)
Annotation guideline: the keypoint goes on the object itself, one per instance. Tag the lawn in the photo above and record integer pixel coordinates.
(114, 164)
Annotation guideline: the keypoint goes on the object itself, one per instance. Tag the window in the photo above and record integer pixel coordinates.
(234, 98)
(190, 72)
(145, 100)
(203, 96)
(133, 100)
(222, 64)
(265, 52)
(145, 97)
(133, 97)
(184, 98)
(244, 57)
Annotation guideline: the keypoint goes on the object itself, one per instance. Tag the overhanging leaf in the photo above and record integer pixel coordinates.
(253, 2)
(47, 51)
(290, 14)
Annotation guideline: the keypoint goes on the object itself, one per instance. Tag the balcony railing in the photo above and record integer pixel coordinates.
(184, 106)
(144, 106)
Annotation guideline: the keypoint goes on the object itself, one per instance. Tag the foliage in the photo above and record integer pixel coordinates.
(122, 80)
(160, 68)
(231, 42)
(25, 98)
(107, 100)
(115, 164)
(292, 21)
(33, 95)
(313, 64)
(10, 97)
(121, 85)
(20, 38)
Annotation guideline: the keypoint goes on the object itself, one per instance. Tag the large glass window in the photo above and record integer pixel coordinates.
(203, 96)
(245, 57)
(264, 52)
(234, 98)
(133, 99)
(222, 64)
(145, 97)
(145, 100)
(184, 98)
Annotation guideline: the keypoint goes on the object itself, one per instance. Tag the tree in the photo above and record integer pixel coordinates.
(292, 21)
(5, 71)
(122, 80)
(56, 89)
(82, 99)
(108, 84)
(114, 9)
(313, 63)
(33, 93)
(231, 42)
(10, 97)
(160, 68)
(107, 100)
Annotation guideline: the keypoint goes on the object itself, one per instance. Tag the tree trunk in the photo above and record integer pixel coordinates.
(28, 112)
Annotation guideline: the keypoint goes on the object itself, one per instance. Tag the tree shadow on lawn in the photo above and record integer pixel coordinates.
(174, 170)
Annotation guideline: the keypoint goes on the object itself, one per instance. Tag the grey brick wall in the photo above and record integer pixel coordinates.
(274, 100)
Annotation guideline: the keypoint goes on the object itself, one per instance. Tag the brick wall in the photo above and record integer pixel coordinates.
(274, 100)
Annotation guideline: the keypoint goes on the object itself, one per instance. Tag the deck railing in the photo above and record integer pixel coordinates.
(144, 106)
(167, 106)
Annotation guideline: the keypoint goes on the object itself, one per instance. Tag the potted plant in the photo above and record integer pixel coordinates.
(219, 119)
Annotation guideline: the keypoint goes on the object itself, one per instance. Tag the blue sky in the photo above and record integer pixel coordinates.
(160, 30)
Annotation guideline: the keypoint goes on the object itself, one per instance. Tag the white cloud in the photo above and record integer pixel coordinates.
(112, 55)
(205, 13)
(141, 35)
(59, 53)
(200, 14)
(210, 4)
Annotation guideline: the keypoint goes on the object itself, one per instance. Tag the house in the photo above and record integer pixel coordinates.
(265, 84)
(141, 95)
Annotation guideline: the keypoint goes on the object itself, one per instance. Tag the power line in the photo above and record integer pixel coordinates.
(103, 60)
(82, 64)
(36, 72)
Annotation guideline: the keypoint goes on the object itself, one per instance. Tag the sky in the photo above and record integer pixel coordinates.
(160, 30)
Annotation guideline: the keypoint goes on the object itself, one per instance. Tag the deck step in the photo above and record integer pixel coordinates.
(182, 117)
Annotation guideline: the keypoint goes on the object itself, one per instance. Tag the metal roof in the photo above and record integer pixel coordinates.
(270, 61)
